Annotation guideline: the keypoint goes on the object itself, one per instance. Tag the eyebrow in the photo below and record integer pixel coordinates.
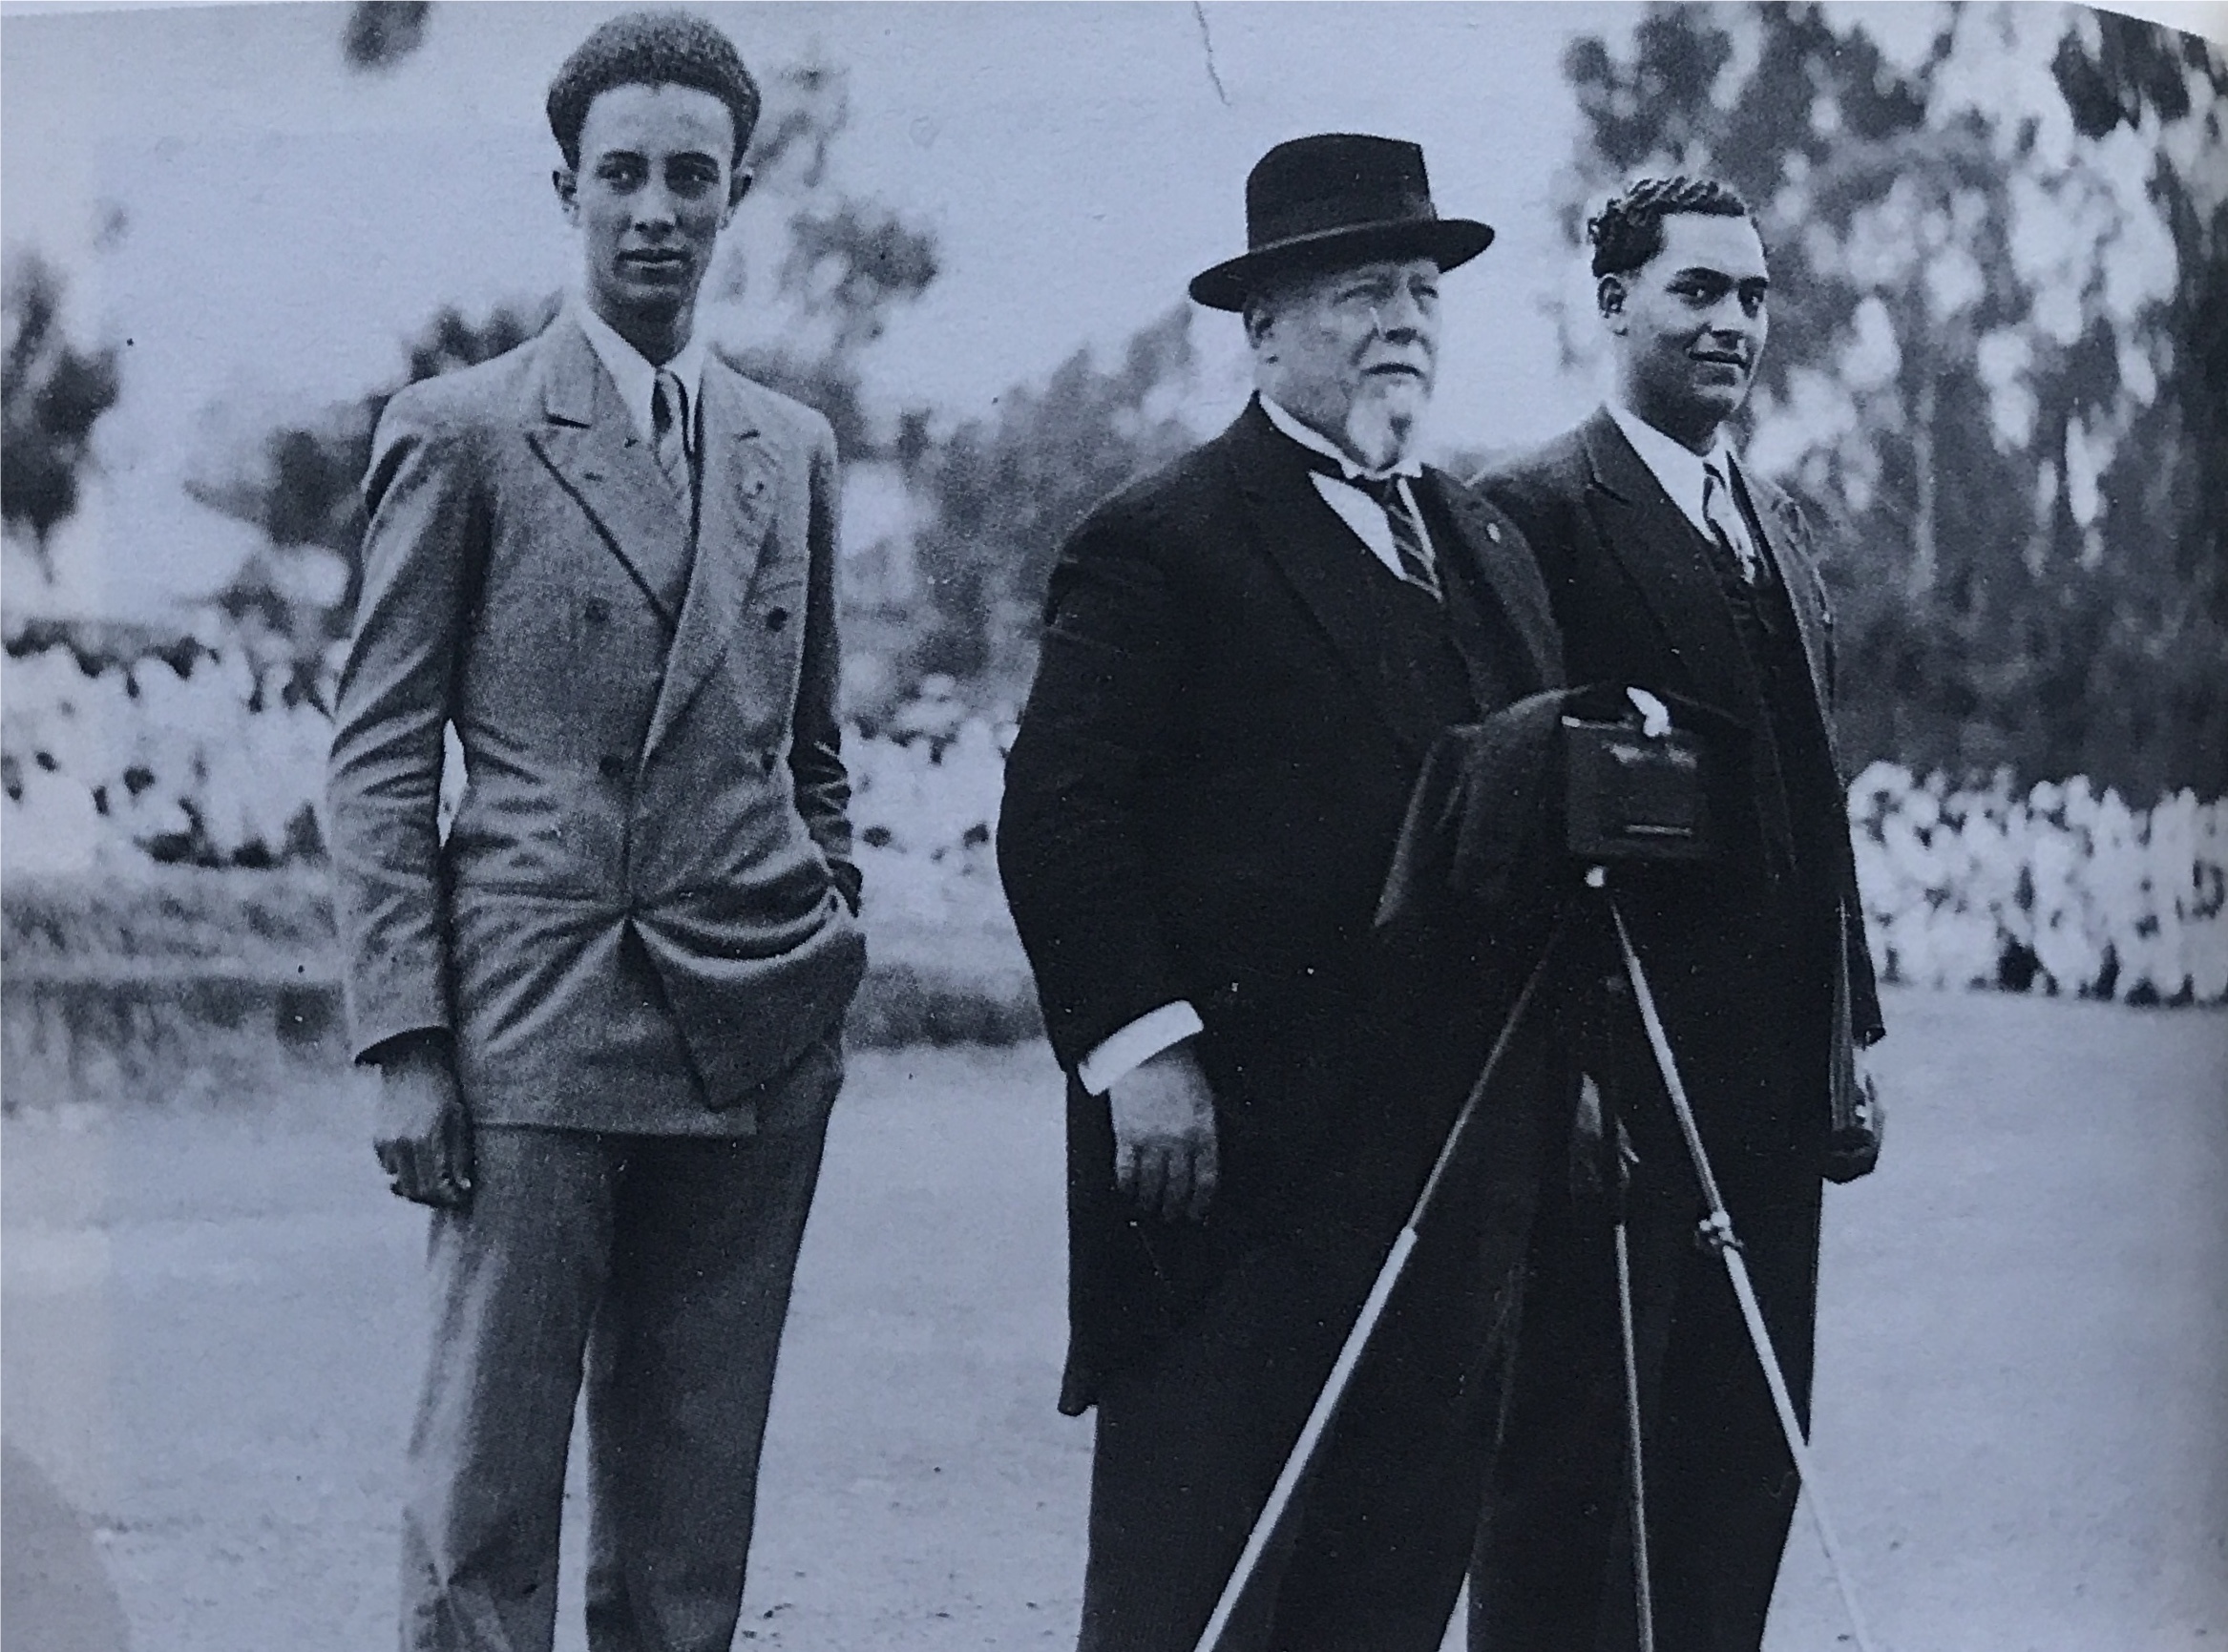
(1703, 272)
(1352, 281)
(621, 152)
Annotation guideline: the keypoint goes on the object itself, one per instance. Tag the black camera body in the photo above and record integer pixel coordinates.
(1632, 795)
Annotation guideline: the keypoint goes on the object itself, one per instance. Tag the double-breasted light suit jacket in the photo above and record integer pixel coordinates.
(644, 908)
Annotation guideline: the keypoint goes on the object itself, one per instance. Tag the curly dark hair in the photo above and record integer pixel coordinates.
(1628, 229)
(651, 48)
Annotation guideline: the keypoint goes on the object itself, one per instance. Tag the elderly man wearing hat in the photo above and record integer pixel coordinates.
(1245, 658)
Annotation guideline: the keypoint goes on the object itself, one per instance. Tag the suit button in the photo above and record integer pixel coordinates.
(597, 610)
(766, 762)
(777, 618)
(611, 766)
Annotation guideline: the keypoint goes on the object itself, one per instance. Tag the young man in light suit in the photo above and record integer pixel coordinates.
(607, 1012)
(1676, 568)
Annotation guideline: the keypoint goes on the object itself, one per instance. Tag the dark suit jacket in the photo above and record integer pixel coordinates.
(1201, 804)
(1639, 603)
(645, 901)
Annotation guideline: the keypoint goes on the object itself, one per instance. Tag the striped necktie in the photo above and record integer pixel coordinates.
(669, 432)
(1418, 566)
(1723, 514)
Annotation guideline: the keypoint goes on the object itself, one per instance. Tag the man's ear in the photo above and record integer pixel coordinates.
(567, 184)
(738, 186)
(1609, 297)
(1258, 319)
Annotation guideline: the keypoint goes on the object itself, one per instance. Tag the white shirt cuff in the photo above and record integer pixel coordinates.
(1136, 1044)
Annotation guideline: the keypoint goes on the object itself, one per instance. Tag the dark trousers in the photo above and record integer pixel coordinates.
(1190, 1441)
(658, 1269)
(1554, 1569)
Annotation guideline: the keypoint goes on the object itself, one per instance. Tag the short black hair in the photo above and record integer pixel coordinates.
(651, 48)
(1628, 229)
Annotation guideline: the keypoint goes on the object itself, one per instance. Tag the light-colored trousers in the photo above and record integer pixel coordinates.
(658, 1269)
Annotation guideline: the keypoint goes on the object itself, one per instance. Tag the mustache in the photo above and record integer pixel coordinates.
(1381, 360)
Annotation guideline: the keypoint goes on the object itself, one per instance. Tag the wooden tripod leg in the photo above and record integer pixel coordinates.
(1302, 1456)
(1717, 1233)
(1642, 1591)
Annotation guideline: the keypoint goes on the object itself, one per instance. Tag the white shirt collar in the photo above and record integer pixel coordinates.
(1679, 468)
(1317, 443)
(633, 373)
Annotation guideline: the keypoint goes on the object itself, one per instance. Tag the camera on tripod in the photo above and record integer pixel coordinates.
(1635, 787)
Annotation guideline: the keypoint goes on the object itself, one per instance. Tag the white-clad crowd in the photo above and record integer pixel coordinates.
(2060, 888)
(218, 765)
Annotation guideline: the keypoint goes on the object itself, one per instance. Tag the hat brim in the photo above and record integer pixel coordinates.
(1447, 242)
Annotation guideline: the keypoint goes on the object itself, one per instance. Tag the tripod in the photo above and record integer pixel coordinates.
(1715, 1233)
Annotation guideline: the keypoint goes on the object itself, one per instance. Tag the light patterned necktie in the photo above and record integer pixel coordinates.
(1418, 567)
(668, 432)
(1723, 514)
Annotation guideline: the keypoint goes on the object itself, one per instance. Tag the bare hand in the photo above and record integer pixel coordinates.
(1165, 1152)
(1868, 1087)
(424, 1136)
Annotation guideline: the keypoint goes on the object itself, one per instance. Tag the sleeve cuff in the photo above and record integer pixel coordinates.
(1136, 1044)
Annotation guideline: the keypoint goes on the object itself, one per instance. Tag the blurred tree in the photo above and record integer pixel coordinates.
(52, 394)
(302, 488)
(1995, 359)
(813, 274)
(1008, 488)
(2122, 76)
(381, 33)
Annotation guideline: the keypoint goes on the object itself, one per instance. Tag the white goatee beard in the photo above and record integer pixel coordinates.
(1383, 421)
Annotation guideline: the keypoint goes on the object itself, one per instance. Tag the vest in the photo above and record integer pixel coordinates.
(1790, 769)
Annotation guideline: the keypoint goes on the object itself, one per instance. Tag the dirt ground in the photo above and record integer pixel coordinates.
(211, 1333)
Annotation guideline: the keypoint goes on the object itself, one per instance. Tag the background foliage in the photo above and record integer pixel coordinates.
(52, 394)
(1999, 370)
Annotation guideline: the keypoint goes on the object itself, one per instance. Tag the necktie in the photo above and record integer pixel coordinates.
(1418, 567)
(1723, 514)
(669, 432)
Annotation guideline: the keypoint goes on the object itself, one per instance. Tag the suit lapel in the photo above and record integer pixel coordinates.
(1774, 512)
(588, 439)
(1489, 551)
(1328, 568)
(1664, 557)
(735, 506)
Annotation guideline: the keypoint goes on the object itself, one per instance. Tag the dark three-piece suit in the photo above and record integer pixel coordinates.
(637, 942)
(1233, 701)
(1759, 965)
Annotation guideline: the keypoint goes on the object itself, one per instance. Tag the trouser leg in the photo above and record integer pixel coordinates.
(1190, 1441)
(683, 1362)
(1554, 1559)
(515, 1282)
(1731, 1483)
(1387, 1528)
(1544, 1542)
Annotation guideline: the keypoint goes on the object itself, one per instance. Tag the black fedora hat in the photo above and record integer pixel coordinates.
(1337, 195)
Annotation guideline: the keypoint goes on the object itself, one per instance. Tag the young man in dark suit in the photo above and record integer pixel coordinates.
(1245, 658)
(606, 1010)
(1674, 568)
